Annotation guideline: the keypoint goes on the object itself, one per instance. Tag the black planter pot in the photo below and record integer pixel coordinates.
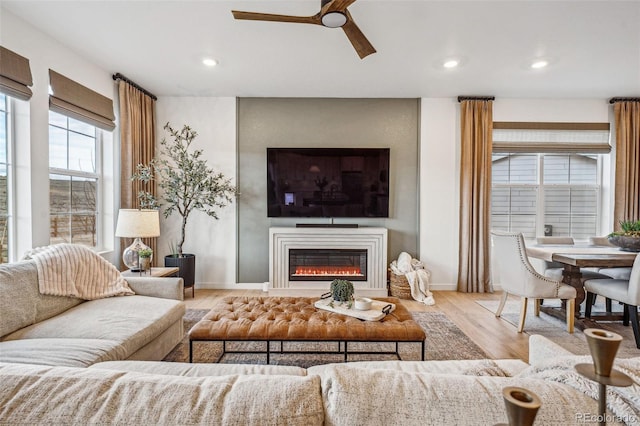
(187, 265)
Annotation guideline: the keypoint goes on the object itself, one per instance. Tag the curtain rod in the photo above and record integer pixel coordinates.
(476, 98)
(117, 76)
(614, 100)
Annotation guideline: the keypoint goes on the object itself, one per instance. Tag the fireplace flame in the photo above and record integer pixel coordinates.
(306, 271)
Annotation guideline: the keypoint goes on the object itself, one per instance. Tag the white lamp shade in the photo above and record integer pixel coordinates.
(133, 223)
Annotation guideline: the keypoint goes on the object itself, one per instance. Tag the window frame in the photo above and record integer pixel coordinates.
(98, 175)
(11, 182)
(541, 187)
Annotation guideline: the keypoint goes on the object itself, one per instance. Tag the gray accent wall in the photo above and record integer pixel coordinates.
(324, 122)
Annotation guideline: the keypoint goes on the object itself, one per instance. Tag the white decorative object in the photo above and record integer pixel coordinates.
(362, 303)
(282, 240)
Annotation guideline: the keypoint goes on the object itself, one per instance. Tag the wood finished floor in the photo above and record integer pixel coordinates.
(495, 336)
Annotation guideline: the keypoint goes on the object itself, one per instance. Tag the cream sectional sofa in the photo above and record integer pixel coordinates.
(358, 393)
(66, 331)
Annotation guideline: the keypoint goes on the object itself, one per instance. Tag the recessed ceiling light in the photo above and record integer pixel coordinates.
(210, 62)
(539, 64)
(451, 63)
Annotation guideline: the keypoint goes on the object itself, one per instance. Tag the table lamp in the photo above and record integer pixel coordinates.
(134, 223)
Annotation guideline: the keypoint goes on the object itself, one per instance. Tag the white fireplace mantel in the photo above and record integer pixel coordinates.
(281, 240)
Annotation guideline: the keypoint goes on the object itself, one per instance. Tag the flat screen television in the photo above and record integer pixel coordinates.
(328, 182)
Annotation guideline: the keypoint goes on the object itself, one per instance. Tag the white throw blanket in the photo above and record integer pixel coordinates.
(417, 276)
(75, 271)
(624, 402)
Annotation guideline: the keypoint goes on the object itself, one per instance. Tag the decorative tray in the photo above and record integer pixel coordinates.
(378, 309)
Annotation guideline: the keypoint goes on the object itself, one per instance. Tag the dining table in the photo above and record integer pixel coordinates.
(574, 258)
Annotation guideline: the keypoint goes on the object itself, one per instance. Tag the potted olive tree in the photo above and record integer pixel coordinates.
(186, 184)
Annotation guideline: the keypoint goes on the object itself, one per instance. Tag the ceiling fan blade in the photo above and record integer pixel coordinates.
(357, 38)
(336, 6)
(254, 16)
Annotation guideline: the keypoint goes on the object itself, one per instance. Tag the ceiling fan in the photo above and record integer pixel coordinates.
(333, 14)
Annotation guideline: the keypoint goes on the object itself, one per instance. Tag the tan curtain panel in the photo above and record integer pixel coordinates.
(77, 101)
(627, 187)
(511, 137)
(476, 121)
(137, 146)
(15, 75)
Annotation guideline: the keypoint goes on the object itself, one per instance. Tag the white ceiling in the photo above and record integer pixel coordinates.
(593, 47)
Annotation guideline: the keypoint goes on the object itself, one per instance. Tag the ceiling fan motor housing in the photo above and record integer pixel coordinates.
(333, 19)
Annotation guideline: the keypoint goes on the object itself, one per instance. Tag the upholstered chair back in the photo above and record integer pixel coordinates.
(517, 276)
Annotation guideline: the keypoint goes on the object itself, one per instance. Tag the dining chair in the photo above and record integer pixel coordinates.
(624, 291)
(617, 273)
(519, 278)
(554, 270)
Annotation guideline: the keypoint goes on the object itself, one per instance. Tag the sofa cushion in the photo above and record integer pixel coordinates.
(17, 309)
(63, 352)
(199, 370)
(21, 303)
(62, 395)
(480, 367)
(358, 396)
(134, 321)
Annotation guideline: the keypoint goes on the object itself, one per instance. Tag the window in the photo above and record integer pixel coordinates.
(74, 181)
(546, 178)
(6, 225)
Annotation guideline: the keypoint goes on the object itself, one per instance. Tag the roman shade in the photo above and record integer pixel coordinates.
(585, 138)
(77, 101)
(15, 75)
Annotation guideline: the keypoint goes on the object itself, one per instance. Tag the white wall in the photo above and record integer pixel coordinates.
(439, 169)
(32, 161)
(214, 118)
(213, 241)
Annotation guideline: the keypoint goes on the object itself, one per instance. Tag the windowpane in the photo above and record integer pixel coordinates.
(60, 229)
(500, 201)
(556, 169)
(73, 188)
(500, 169)
(556, 201)
(525, 224)
(81, 127)
(4, 240)
(560, 223)
(58, 120)
(82, 153)
(584, 169)
(59, 194)
(57, 148)
(523, 168)
(83, 229)
(83, 195)
(500, 222)
(5, 190)
(570, 194)
(523, 200)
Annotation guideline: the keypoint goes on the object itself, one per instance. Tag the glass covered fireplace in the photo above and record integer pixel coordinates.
(327, 264)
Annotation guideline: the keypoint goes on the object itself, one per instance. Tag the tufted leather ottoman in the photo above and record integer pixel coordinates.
(296, 319)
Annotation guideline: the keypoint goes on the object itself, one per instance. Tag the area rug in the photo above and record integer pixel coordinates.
(444, 341)
(555, 329)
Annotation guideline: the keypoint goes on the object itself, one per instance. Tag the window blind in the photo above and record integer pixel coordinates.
(77, 101)
(15, 75)
(586, 138)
